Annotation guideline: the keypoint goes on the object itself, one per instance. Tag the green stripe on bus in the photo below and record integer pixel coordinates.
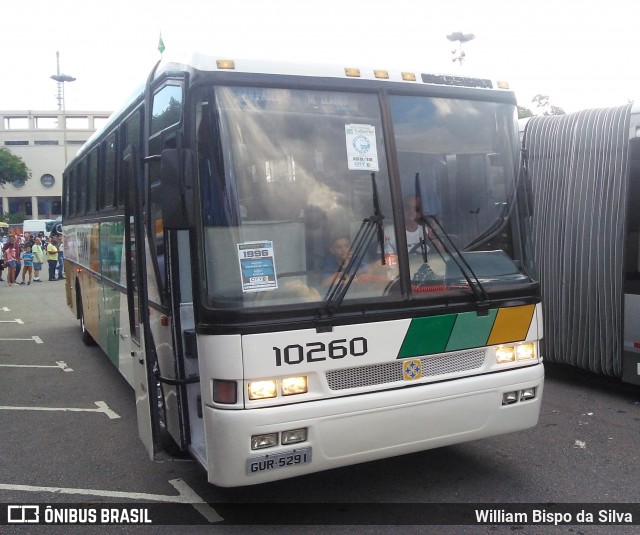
(471, 330)
(427, 335)
(452, 332)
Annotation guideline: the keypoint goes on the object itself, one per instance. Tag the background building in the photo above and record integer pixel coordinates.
(46, 141)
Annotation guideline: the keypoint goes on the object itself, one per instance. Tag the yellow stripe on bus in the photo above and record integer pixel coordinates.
(511, 325)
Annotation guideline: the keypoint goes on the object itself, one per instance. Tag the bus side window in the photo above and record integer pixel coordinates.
(165, 119)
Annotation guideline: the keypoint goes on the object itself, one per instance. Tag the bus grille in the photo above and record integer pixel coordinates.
(391, 372)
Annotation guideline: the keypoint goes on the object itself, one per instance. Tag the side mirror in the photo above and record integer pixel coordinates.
(176, 188)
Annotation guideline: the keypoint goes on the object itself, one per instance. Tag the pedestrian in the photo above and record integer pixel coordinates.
(60, 257)
(9, 255)
(18, 254)
(27, 259)
(52, 258)
(38, 258)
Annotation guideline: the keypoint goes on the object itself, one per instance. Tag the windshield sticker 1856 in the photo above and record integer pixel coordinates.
(257, 266)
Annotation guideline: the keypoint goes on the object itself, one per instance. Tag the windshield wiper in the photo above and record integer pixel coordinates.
(522, 179)
(482, 298)
(370, 226)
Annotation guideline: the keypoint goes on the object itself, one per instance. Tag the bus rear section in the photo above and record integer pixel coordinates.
(585, 171)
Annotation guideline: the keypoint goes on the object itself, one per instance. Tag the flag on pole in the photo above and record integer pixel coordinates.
(161, 44)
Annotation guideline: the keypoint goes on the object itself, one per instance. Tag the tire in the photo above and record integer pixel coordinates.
(87, 339)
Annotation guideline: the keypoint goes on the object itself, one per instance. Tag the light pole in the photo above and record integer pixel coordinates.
(61, 79)
(460, 38)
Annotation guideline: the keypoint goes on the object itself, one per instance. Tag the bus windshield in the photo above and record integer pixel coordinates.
(287, 180)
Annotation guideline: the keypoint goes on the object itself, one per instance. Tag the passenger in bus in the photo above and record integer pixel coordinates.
(337, 259)
(414, 230)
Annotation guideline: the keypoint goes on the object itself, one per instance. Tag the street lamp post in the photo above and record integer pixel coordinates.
(459, 37)
(61, 79)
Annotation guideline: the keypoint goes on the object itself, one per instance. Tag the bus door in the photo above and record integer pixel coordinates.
(189, 431)
(145, 390)
(169, 240)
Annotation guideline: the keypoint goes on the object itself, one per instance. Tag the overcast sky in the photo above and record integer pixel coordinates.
(581, 56)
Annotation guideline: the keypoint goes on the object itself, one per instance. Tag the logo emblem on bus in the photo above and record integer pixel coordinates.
(411, 369)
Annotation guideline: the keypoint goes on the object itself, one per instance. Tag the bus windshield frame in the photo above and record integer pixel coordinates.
(285, 185)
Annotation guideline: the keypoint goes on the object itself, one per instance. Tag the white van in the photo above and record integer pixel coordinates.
(39, 227)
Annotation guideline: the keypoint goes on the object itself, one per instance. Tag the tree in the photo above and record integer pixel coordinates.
(15, 218)
(12, 168)
(523, 112)
(543, 103)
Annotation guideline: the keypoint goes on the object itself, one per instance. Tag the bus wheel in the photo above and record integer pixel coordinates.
(87, 339)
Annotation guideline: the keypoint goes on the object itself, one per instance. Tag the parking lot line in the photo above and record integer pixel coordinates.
(60, 364)
(186, 495)
(17, 320)
(102, 407)
(35, 339)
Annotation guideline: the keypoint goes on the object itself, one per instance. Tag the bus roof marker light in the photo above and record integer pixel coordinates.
(226, 64)
(502, 84)
(381, 74)
(352, 72)
(409, 76)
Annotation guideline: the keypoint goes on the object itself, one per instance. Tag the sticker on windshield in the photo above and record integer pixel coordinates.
(362, 152)
(257, 266)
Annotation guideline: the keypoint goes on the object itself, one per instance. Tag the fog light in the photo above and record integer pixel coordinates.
(259, 442)
(505, 354)
(263, 389)
(294, 436)
(508, 398)
(526, 351)
(293, 385)
(527, 393)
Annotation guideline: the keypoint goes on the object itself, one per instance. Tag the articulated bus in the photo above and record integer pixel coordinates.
(198, 245)
(585, 173)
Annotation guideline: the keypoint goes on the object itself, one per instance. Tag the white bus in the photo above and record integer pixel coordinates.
(585, 171)
(198, 232)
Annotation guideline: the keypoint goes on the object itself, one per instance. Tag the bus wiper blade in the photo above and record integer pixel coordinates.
(370, 226)
(482, 298)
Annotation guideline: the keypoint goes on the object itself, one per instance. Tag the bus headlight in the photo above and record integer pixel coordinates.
(263, 389)
(293, 385)
(505, 354)
(526, 351)
(516, 352)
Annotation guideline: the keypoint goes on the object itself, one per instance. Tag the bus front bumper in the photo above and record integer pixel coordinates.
(360, 428)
